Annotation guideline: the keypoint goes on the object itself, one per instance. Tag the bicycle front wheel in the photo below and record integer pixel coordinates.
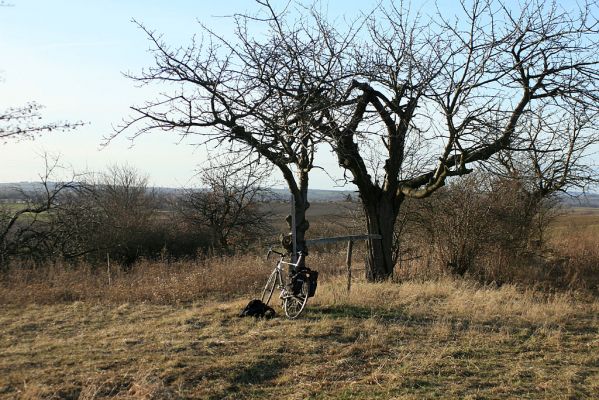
(269, 288)
(295, 304)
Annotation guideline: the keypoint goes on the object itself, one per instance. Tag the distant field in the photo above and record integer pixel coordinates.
(579, 220)
(317, 209)
(445, 339)
(12, 207)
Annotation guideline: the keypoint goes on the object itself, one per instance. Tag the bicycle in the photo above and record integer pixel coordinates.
(293, 303)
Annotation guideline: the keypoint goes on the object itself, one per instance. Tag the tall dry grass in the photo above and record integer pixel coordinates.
(147, 281)
(570, 263)
(453, 298)
(156, 282)
(567, 262)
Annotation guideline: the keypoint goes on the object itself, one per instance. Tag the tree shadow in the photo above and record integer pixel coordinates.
(398, 316)
(359, 312)
(243, 382)
(259, 372)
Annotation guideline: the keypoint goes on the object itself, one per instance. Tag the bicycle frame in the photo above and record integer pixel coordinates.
(292, 303)
(279, 267)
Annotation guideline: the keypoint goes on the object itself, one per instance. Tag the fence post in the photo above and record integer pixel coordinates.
(108, 269)
(350, 246)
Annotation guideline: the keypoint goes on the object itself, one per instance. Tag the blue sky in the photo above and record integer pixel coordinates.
(69, 56)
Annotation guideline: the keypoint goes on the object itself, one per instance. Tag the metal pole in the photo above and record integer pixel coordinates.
(293, 230)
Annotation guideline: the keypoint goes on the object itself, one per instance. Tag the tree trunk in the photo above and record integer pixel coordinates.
(381, 214)
(302, 225)
(300, 196)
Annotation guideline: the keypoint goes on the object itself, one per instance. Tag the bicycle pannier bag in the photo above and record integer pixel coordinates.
(297, 281)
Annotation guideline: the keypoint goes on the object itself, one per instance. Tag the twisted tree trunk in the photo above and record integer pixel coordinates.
(381, 210)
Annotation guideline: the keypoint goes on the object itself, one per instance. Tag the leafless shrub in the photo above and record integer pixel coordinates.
(26, 229)
(229, 204)
(111, 213)
(473, 223)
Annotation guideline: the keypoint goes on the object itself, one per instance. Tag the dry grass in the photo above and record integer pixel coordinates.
(576, 237)
(217, 278)
(445, 339)
(156, 282)
(170, 330)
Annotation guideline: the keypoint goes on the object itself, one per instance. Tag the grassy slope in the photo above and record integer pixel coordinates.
(445, 339)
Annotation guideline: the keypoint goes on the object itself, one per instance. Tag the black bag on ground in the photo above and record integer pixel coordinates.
(258, 309)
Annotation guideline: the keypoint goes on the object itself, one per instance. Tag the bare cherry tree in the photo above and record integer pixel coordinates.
(405, 100)
(436, 97)
(256, 94)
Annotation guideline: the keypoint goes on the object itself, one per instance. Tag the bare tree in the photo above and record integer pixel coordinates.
(25, 228)
(229, 203)
(435, 98)
(406, 101)
(256, 94)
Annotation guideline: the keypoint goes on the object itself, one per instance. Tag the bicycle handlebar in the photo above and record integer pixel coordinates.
(270, 250)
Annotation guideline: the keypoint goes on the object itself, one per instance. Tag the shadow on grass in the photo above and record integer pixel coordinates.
(358, 312)
(259, 372)
(245, 382)
(398, 316)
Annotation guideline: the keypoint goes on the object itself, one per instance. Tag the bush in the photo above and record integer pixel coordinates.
(468, 226)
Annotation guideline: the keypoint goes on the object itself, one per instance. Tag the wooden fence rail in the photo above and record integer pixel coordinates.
(350, 245)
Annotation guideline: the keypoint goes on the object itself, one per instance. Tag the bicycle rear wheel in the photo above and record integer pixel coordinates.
(269, 288)
(295, 304)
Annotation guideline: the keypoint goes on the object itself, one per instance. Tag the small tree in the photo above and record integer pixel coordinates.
(26, 231)
(229, 203)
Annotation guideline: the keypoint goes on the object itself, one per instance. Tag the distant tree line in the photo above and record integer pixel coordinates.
(116, 214)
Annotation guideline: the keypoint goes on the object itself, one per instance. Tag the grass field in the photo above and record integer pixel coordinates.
(443, 339)
(12, 207)
(169, 330)
(577, 220)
